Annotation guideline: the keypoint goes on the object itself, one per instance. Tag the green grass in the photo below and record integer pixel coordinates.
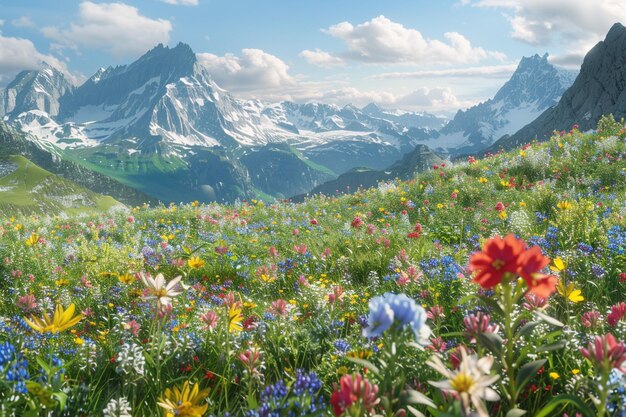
(32, 189)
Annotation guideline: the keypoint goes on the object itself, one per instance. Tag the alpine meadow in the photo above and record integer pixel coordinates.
(347, 209)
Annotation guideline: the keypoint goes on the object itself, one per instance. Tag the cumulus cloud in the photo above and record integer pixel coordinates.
(322, 59)
(253, 70)
(23, 22)
(383, 41)
(17, 54)
(436, 99)
(181, 2)
(540, 22)
(493, 71)
(115, 27)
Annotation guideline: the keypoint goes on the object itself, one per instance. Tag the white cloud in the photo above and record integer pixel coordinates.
(17, 54)
(23, 22)
(540, 22)
(383, 41)
(254, 70)
(493, 71)
(115, 27)
(181, 2)
(436, 99)
(322, 59)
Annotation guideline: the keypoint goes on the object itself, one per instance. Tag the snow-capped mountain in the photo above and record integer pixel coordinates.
(167, 94)
(423, 120)
(166, 104)
(535, 86)
(599, 89)
(34, 90)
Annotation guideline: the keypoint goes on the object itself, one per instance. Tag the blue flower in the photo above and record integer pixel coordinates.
(380, 317)
(396, 308)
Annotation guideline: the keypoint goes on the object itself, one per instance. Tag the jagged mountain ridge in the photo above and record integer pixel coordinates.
(534, 86)
(154, 124)
(34, 90)
(599, 88)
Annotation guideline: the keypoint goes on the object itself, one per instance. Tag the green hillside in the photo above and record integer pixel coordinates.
(27, 188)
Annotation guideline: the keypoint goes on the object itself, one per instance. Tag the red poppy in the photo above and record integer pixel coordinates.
(531, 262)
(498, 257)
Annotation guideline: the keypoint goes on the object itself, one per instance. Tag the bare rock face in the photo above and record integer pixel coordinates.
(599, 89)
(34, 90)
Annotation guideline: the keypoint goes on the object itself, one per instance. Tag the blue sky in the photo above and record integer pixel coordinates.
(415, 54)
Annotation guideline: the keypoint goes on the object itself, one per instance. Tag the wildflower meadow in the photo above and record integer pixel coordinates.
(483, 287)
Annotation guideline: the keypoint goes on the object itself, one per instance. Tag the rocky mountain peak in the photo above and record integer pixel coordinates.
(38, 89)
(599, 89)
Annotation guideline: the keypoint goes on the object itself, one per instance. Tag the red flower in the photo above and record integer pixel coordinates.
(531, 262)
(356, 222)
(352, 389)
(499, 256)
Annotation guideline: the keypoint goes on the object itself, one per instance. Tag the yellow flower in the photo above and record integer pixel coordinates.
(503, 215)
(235, 318)
(569, 292)
(576, 371)
(32, 240)
(558, 266)
(522, 154)
(126, 278)
(62, 320)
(505, 183)
(564, 205)
(482, 180)
(185, 402)
(195, 262)
(522, 204)
(554, 375)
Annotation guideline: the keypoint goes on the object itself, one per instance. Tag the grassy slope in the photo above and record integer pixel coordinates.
(32, 189)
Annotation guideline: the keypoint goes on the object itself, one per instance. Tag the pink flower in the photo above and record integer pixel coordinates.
(337, 294)
(27, 302)
(435, 313)
(354, 389)
(356, 222)
(209, 319)
(300, 249)
(590, 319)
(618, 311)
(280, 308)
(273, 252)
(478, 323)
(133, 326)
(606, 353)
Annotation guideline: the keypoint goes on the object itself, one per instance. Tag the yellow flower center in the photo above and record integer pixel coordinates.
(498, 264)
(160, 293)
(462, 383)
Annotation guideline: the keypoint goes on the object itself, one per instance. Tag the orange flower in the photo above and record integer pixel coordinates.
(531, 262)
(498, 257)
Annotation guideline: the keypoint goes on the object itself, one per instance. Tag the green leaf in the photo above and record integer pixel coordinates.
(526, 372)
(549, 320)
(551, 347)
(61, 397)
(527, 329)
(515, 412)
(366, 364)
(414, 411)
(564, 399)
(44, 365)
(491, 341)
(410, 396)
